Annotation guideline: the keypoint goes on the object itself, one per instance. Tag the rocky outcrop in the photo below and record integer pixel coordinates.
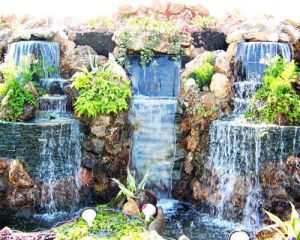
(100, 41)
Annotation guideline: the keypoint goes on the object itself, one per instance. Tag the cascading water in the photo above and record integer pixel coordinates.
(47, 53)
(239, 150)
(153, 107)
(49, 145)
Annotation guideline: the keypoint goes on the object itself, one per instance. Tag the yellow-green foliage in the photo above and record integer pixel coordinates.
(286, 230)
(109, 224)
(203, 74)
(101, 92)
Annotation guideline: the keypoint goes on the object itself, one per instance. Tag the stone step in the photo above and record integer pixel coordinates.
(53, 103)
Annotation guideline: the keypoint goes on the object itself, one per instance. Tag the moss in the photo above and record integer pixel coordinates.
(109, 223)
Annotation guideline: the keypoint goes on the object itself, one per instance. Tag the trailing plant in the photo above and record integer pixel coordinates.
(100, 92)
(286, 230)
(131, 187)
(109, 223)
(276, 101)
(147, 33)
(203, 74)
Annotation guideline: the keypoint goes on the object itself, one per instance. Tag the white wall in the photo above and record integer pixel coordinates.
(83, 9)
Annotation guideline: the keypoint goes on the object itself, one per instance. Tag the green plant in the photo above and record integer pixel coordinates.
(203, 74)
(100, 92)
(145, 35)
(109, 223)
(203, 23)
(131, 186)
(287, 230)
(276, 101)
(13, 93)
(101, 22)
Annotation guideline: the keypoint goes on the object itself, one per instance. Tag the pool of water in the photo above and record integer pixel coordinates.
(182, 218)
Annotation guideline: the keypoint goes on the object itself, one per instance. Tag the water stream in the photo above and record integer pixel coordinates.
(49, 145)
(239, 150)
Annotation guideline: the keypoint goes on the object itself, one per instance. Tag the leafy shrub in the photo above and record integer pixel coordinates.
(276, 101)
(202, 23)
(101, 22)
(203, 74)
(101, 92)
(286, 230)
(150, 32)
(13, 94)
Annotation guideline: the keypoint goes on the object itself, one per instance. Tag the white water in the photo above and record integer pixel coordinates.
(58, 171)
(236, 151)
(152, 115)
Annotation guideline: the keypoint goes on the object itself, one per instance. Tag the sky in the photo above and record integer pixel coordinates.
(87, 9)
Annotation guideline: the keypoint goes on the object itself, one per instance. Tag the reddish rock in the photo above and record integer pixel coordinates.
(18, 175)
(176, 8)
(199, 9)
(3, 165)
(86, 177)
(185, 125)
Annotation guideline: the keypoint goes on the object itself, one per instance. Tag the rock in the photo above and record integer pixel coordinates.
(199, 9)
(28, 113)
(163, 46)
(292, 32)
(99, 131)
(158, 224)
(95, 145)
(101, 42)
(235, 36)
(210, 40)
(86, 177)
(198, 192)
(116, 68)
(5, 34)
(143, 197)
(220, 86)
(18, 175)
(231, 50)
(222, 64)
(208, 100)
(183, 237)
(131, 208)
(34, 33)
(262, 36)
(188, 163)
(78, 57)
(30, 87)
(176, 8)
(126, 10)
(196, 52)
(71, 92)
(189, 83)
(284, 37)
(101, 120)
(196, 62)
(3, 166)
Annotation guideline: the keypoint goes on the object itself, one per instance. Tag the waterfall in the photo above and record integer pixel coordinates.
(152, 115)
(50, 144)
(46, 53)
(239, 150)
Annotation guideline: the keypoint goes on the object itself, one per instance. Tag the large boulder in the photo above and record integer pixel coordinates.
(100, 41)
(33, 34)
(210, 40)
(18, 175)
(220, 86)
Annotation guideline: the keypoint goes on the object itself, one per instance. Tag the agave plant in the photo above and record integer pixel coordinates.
(287, 230)
(131, 186)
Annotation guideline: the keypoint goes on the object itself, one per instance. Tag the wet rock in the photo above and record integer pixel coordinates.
(220, 86)
(144, 196)
(3, 166)
(210, 40)
(188, 163)
(71, 92)
(18, 175)
(131, 208)
(100, 41)
(158, 224)
(198, 192)
(22, 198)
(86, 177)
(28, 113)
